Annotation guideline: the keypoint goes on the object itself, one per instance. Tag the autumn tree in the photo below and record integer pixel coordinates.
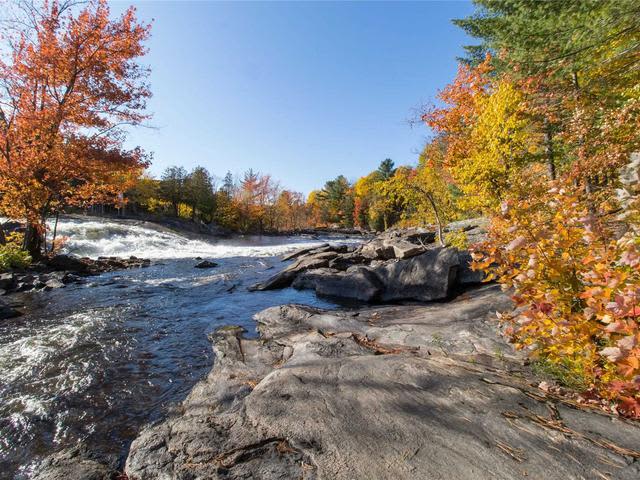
(69, 81)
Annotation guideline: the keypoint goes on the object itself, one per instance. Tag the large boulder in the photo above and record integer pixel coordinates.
(357, 283)
(77, 463)
(467, 276)
(425, 277)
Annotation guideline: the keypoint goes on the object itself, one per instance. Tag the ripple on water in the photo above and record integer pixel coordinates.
(95, 362)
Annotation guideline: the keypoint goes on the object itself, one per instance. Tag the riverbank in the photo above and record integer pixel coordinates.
(414, 391)
(398, 391)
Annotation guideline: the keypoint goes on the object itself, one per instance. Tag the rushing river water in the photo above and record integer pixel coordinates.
(93, 362)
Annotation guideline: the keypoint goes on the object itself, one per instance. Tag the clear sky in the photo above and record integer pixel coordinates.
(303, 91)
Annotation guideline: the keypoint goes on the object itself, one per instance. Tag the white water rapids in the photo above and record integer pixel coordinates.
(93, 362)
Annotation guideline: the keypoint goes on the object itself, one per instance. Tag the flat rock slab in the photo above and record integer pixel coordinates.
(402, 392)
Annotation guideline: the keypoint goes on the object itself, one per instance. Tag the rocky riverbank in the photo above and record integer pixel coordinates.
(56, 272)
(409, 391)
(429, 391)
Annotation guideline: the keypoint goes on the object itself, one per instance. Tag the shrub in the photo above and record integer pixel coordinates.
(576, 281)
(12, 255)
(457, 239)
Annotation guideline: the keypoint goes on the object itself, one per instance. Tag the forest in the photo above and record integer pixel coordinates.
(537, 132)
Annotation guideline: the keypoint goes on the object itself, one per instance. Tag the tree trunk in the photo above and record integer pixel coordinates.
(3, 239)
(33, 241)
(438, 221)
(55, 231)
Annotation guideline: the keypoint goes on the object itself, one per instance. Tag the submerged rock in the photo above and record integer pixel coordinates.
(400, 392)
(7, 311)
(205, 264)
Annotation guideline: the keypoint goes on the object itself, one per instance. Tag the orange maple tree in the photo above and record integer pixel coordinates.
(69, 82)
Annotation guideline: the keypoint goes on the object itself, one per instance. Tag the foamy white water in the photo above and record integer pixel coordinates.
(94, 238)
(95, 361)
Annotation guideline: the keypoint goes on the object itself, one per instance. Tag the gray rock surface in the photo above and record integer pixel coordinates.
(426, 277)
(407, 267)
(397, 392)
(76, 464)
(285, 278)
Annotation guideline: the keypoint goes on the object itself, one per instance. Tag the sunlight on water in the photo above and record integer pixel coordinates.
(94, 361)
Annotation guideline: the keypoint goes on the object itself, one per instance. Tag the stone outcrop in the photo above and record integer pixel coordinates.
(396, 392)
(60, 270)
(396, 265)
(85, 265)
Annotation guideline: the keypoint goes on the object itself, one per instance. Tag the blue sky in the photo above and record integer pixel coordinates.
(303, 91)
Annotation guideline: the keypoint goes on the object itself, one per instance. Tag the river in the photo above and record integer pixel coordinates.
(93, 362)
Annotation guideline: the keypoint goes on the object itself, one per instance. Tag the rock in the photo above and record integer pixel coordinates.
(404, 249)
(76, 464)
(279, 280)
(350, 259)
(206, 264)
(53, 283)
(377, 249)
(7, 281)
(286, 277)
(302, 251)
(69, 263)
(426, 277)
(466, 276)
(402, 392)
(358, 283)
(7, 311)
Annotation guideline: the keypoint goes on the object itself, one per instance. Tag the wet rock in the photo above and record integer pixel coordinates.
(206, 264)
(53, 283)
(69, 263)
(76, 464)
(285, 277)
(7, 311)
(7, 281)
(87, 266)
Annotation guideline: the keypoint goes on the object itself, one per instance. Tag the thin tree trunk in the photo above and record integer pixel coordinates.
(3, 239)
(438, 221)
(33, 241)
(55, 231)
